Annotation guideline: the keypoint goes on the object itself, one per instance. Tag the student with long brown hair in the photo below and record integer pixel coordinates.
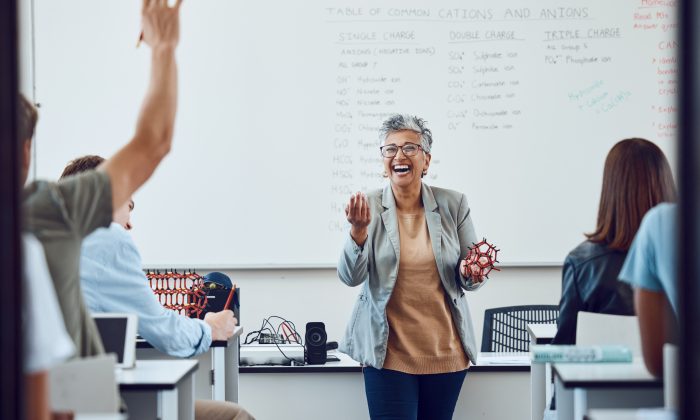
(636, 178)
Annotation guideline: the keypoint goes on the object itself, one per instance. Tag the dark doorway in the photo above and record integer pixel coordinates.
(10, 258)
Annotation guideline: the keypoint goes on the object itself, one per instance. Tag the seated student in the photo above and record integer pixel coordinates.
(46, 342)
(636, 177)
(651, 269)
(61, 214)
(112, 281)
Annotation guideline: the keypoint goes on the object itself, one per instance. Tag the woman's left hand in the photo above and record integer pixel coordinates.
(472, 269)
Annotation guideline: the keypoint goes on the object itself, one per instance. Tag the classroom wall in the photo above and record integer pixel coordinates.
(304, 295)
(341, 396)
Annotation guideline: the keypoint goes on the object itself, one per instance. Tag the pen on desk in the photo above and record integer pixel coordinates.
(230, 296)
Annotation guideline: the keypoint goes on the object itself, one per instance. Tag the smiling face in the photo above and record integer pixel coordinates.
(405, 171)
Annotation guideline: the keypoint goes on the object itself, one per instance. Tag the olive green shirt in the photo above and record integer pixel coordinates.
(60, 215)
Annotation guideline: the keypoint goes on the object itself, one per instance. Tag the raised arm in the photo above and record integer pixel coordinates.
(134, 164)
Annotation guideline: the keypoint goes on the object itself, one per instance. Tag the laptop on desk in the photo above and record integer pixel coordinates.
(118, 332)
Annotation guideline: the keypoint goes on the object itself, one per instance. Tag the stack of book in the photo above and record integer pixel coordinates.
(548, 353)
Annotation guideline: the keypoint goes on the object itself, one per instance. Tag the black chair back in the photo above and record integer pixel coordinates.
(505, 329)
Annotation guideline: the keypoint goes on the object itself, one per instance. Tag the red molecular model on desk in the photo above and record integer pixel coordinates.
(183, 293)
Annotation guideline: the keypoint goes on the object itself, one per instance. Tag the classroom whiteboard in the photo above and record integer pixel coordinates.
(280, 103)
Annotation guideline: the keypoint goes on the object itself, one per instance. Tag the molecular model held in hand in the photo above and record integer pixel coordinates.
(485, 256)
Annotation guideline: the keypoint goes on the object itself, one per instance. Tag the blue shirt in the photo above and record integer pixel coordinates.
(651, 261)
(112, 281)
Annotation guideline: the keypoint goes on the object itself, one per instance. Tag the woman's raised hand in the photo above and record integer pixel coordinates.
(358, 214)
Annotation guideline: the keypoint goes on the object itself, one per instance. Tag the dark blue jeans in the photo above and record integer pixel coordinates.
(393, 395)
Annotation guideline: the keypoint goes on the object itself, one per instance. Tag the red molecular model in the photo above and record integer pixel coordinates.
(484, 255)
(181, 292)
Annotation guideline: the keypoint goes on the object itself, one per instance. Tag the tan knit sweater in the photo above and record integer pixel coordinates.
(422, 336)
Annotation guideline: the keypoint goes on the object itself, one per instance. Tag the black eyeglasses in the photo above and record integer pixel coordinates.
(408, 149)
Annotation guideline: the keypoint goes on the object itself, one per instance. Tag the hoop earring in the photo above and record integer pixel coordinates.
(385, 175)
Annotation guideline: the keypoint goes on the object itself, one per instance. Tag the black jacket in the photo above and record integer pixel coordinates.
(589, 283)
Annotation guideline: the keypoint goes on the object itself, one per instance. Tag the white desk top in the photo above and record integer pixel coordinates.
(345, 360)
(592, 375)
(237, 331)
(632, 414)
(542, 333)
(155, 374)
(346, 364)
(486, 362)
(503, 359)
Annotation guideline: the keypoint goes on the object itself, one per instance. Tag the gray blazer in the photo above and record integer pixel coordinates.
(376, 265)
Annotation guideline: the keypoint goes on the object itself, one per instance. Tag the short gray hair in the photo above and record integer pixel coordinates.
(400, 122)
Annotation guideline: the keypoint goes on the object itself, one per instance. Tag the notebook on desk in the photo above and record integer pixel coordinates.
(118, 333)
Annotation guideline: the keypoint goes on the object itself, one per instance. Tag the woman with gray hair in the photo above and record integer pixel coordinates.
(410, 326)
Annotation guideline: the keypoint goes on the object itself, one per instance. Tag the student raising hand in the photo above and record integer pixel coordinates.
(160, 23)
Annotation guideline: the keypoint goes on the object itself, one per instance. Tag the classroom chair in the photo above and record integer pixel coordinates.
(505, 328)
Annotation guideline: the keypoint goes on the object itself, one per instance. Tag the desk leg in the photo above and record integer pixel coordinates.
(185, 395)
(232, 361)
(564, 401)
(218, 368)
(537, 390)
(580, 403)
(548, 385)
(142, 404)
(168, 405)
